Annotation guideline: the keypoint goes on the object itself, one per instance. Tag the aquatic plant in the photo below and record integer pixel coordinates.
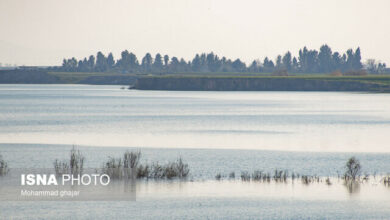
(181, 168)
(75, 165)
(257, 175)
(307, 179)
(157, 171)
(245, 176)
(113, 168)
(131, 159)
(280, 175)
(232, 175)
(3, 166)
(143, 171)
(177, 169)
(328, 182)
(61, 167)
(130, 163)
(126, 167)
(130, 167)
(386, 180)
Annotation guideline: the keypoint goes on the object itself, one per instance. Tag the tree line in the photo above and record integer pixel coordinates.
(308, 61)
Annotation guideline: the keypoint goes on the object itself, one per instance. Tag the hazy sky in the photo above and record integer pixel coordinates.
(43, 32)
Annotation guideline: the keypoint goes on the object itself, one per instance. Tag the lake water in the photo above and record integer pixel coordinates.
(312, 133)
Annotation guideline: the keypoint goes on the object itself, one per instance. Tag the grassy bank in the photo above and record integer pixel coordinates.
(197, 82)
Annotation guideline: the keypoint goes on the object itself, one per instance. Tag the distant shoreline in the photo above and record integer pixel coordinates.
(266, 83)
(205, 82)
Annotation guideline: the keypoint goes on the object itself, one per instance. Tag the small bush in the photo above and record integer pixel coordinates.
(181, 168)
(143, 171)
(157, 171)
(3, 166)
(177, 169)
(232, 175)
(218, 176)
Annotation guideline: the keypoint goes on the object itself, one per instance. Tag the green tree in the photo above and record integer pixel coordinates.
(174, 65)
(110, 61)
(147, 63)
(91, 63)
(101, 62)
(166, 60)
(325, 60)
(357, 63)
(279, 62)
(158, 63)
(287, 63)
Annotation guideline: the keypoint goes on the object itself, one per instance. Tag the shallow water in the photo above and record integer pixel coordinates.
(311, 133)
(220, 200)
(204, 163)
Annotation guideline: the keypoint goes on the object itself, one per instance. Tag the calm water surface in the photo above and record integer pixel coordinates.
(109, 116)
(311, 133)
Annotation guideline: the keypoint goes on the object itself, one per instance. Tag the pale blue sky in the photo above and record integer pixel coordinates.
(42, 32)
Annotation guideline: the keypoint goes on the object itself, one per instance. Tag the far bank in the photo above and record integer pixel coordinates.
(266, 83)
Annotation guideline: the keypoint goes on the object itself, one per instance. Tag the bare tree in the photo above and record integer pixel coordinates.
(353, 168)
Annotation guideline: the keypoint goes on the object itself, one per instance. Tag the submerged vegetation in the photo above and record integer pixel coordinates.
(3, 166)
(130, 167)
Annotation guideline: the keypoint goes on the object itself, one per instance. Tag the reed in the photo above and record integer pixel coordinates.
(126, 167)
(75, 165)
(114, 168)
